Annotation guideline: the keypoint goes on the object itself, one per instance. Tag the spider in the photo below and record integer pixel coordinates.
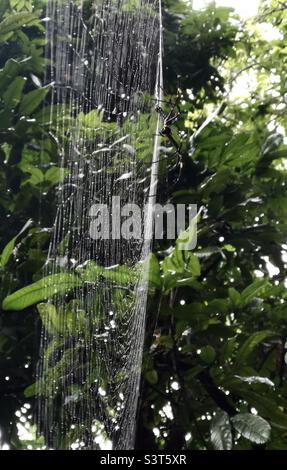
(168, 120)
(166, 131)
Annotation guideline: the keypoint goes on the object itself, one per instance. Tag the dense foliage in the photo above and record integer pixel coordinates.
(214, 372)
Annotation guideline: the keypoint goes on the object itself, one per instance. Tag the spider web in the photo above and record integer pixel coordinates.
(104, 64)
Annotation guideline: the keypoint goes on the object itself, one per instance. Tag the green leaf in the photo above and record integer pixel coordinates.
(187, 239)
(223, 13)
(154, 276)
(9, 72)
(220, 431)
(250, 344)
(266, 405)
(194, 265)
(30, 391)
(151, 376)
(229, 248)
(16, 21)
(189, 312)
(40, 290)
(255, 289)
(180, 266)
(57, 113)
(120, 274)
(69, 319)
(55, 174)
(13, 94)
(8, 250)
(207, 354)
(217, 182)
(235, 297)
(228, 349)
(32, 100)
(254, 428)
(36, 177)
(48, 315)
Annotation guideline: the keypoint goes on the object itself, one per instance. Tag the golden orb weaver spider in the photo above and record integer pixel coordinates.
(166, 131)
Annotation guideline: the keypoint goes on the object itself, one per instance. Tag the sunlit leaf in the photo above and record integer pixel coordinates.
(256, 380)
(220, 431)
(8, 250)
(40, 290)
(254, 428)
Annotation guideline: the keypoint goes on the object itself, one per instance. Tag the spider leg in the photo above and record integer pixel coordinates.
(179, 164)
(169, 122)
(177, 153)
(160, 111)
(168, 116)
(173, 141)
